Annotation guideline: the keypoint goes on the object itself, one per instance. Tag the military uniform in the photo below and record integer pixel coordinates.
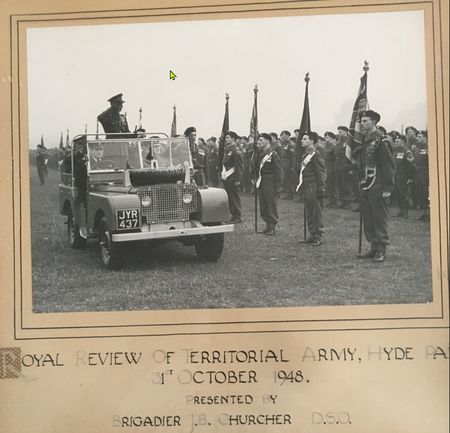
(247, 153)
(267, 169)
(213, 160)
(41, 163)
(288, 168)
(378, 167)
(404, 175)
(329, 158)
(342, 166)
(200, 162)
(231, 176)
(311, 183)
(113, 121)
(422, 178)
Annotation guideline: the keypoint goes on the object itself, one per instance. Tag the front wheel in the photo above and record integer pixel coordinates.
(110, 252)
(76, 241)
(209, 247)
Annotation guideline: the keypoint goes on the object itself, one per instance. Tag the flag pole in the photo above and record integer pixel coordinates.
(365, 69)
(255, 140)
(225, 128)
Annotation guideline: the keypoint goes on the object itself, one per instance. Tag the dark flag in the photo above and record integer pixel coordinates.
(305, 125)
(42, 141)
(253, 136)
(225, 128)
(173, 128)
(355, 137)
(67, 139)
(361, 104)
(61, 142)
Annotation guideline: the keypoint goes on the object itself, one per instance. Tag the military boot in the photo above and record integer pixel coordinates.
(369, 254)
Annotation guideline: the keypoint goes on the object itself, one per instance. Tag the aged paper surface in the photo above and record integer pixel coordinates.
(381, 367)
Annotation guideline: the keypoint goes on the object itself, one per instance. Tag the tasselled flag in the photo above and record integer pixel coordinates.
(354, 138)
(225, 128)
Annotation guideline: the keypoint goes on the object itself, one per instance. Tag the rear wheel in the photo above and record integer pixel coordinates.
(110, 252)
(209, 247)
(76, 241)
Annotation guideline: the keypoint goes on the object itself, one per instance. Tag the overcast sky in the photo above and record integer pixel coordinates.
(72, 71)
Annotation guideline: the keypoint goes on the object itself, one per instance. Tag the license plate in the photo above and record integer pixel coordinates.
(127, 219)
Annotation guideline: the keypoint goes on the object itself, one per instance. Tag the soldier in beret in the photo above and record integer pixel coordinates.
(41, 162)
(112, 120)
(411, 138)
(378, 167)
(311, 182)
(199, 157)
(265, 166)
(330, 159)
(422, 175)
(287, 160)
(231, 176)
(342, 166)
(404, 175)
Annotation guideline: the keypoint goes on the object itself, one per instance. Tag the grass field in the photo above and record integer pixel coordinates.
(254, 270)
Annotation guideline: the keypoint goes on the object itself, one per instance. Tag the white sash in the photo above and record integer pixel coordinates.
(227, 173)
(304, 164)
(263, 161)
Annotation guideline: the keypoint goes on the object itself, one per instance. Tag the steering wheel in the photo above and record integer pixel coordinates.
(106, 163)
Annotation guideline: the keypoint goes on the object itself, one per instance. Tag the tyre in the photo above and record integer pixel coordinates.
(76, 241)
(209, 247)
(110, 252)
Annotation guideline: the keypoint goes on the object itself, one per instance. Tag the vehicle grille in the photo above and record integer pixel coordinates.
(166, 202)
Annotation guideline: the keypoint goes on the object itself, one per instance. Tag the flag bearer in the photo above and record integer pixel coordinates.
(378, 167)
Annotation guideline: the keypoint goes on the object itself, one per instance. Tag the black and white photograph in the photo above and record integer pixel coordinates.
(230, 163)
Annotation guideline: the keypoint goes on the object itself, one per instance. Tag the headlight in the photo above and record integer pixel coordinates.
(146, 202)
(187, 198)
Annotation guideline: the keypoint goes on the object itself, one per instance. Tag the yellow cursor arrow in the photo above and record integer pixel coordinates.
(172, 75)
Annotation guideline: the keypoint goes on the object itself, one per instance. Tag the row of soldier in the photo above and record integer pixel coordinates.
(342, 173)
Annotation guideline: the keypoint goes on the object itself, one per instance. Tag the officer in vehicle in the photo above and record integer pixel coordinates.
(112, 120)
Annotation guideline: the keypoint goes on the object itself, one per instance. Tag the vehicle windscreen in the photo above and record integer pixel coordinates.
(158, 153)
(165, 153)
(113, 155)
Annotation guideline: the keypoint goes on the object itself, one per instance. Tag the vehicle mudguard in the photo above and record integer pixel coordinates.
(212, 205)
(108, 205)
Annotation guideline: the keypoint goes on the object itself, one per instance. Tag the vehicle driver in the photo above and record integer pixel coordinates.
(95, 155)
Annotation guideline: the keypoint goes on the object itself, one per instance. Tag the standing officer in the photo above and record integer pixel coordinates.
(288, 164)
(330, 160)
(266, 168)
(404, 174)
(422, 175)
(246, 155)
(112, 120)
(213, 160)
(231, 176)
(411, 138)
(41, 162)
(342, 166)
(378, 167)
(312, 183)
(199, 158)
